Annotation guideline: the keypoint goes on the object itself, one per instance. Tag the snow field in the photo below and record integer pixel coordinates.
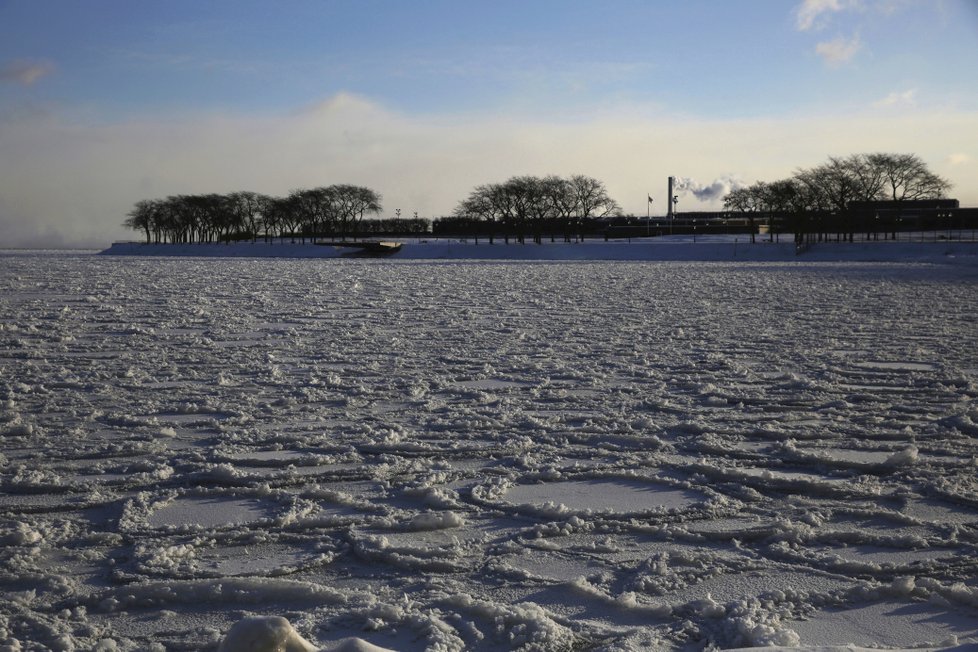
(211, 454)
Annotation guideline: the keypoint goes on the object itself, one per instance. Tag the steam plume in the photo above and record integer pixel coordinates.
(707, 192)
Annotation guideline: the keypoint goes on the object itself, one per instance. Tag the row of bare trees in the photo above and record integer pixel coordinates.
(525, 206)
(520, 207)
(834, 186)
(533, 206)
(325, 212)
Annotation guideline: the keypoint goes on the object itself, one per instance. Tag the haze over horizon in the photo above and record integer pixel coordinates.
(104, 103)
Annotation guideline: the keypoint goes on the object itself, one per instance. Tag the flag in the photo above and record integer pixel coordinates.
(650, 199)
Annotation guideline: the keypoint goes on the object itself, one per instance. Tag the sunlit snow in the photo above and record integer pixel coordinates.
(282, 454)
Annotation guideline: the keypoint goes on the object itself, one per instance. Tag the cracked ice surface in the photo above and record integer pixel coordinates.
(482, 456)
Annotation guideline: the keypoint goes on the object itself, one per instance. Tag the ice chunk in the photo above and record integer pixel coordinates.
(276, 634)
(264, 634)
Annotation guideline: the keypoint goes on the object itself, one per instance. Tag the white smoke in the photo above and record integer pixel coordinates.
(718, 189)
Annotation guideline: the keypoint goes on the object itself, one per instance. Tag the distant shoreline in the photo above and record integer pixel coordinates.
(716, 249)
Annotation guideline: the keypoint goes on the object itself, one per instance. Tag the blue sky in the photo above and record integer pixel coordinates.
(104, 103)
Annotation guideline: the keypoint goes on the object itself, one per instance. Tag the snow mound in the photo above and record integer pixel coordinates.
(264, 634)
(276, 634)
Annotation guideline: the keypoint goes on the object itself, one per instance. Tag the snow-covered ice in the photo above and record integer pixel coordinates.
(244, 454)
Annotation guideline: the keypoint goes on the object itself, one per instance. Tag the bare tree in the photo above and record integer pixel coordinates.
(287, 214)
(532, 202)
(143, 217)
(351, 204)
(270, 216)
(316, 210)
(560, 194)
(479, 205)
(530, 206)
(748, 200)
(906, 176)
(835, 183)
(592, 200)
(249, 208)
(867, 177)
(867, 174)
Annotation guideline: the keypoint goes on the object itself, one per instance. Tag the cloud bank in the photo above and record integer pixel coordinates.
(69, 183)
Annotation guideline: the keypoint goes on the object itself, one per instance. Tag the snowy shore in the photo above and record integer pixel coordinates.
(680, 248)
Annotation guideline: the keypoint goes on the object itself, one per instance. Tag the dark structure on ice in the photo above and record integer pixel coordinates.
(926, 219)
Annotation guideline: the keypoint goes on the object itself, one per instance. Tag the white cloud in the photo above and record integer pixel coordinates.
(839, 50)
(959, 158)
(811, 13)
(898, 99)
(63, 182)
(24, 72)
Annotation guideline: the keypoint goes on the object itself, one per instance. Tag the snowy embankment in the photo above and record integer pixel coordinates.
(680, 248)
(268, 455)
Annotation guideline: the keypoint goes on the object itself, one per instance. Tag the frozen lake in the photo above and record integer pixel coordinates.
(483, 456)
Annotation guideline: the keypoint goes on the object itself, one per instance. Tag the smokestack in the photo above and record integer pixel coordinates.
(669, 197)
